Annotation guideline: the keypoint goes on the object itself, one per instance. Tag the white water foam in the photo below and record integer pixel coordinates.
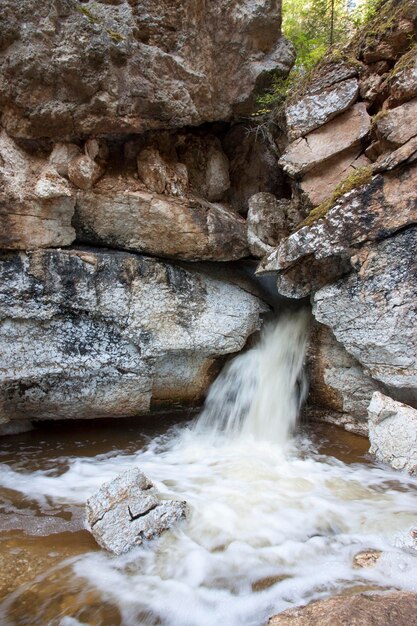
(262, 508)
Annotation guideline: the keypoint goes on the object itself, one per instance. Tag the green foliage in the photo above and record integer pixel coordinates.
(313, 26)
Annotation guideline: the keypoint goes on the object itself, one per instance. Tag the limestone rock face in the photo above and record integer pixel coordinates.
(207, 166)
(403, 84)
(36, 203)
(267, 222)
(338, 382)
(121, 213)
(128, 510)
(161, 176)
(385, 609)
(343, 132)
(393, 432)
(315, 109)
(89, 333)
(372, 311)
(70, 69)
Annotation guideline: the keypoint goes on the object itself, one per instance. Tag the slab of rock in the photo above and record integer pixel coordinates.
(309, 275)
(343, 132)
(338, 382)
(398, 125)
(84, 172)
(36, 203)
(314, 110)
(393, 432)
(69, 70)
(372, 311)
(129, 510)
(88, 333)
(397, 608)
(369, 212)
(267, 222)
(320, 182)
(120, 213)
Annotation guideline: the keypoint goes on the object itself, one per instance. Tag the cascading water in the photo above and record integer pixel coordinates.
(273, 523)
(260, 392)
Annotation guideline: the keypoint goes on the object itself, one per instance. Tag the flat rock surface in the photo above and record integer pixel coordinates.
(128, 510)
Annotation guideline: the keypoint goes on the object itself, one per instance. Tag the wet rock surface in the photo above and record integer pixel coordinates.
(384, 609)
(393, 432)
(129, 510)
(89, 333)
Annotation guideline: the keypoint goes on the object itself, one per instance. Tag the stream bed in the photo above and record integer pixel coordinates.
(270, 527)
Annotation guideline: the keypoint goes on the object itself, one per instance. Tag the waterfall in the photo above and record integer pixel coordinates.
(260, 392)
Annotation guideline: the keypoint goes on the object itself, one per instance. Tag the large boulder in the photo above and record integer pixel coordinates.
(36, 202)
(398, 125)
(89, 333)
(72, 69)
(372, 311)
(396, 608)
(121, 213)
(393, 432)
(128, 510)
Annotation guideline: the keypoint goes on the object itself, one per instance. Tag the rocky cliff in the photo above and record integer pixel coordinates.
(348, 139)
(122, 135)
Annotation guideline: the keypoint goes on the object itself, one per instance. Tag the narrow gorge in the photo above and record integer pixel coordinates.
(168, 250)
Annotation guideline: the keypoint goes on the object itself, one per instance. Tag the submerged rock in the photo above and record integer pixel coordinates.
(396, 608)
(129, 510)
(393, 432)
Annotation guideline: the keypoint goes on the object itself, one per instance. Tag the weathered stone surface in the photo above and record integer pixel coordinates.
(84, 172)
(121, 213)
(343, 132)
(161, 176)
(61, 155)
(128, 510)
(398, 125)
(405, 154)
(369, 212)
(314, 110)
(253, 166)
(338, 382)
(89, 333)
(395, 608)
(36, 203)
(320, 182)
(71, 70)
(207, 165)
(403, 82)
(267, 222)
(393, 432)
(372, 311)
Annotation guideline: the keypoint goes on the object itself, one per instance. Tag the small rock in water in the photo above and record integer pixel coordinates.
(366, 558)
(128, 510)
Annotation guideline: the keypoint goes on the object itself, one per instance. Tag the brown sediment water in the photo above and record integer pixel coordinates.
(275, 521)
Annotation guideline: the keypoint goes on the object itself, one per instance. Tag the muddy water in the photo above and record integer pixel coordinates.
(268, 529)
